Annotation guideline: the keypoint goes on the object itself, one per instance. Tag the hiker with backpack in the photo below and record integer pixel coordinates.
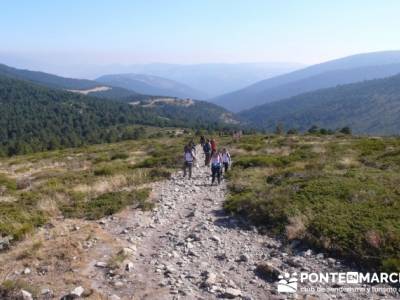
(216, 167)
(226, 159)
(207, 153)
(189, 158)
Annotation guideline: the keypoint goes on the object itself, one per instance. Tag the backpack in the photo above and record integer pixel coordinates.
(227, 156)
(216, 164)
(188, 156)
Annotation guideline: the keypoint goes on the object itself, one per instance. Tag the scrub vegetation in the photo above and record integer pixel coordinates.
(337, 193)
(88, 183)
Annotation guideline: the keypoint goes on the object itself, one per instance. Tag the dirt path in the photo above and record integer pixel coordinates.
(188, 248)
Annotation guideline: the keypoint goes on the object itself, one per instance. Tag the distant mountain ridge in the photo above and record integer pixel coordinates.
(369, 107)
(212, 79)
(340, 71)
(151, 85)
(63, 83)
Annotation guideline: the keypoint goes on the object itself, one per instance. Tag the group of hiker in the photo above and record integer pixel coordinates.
(219, 160)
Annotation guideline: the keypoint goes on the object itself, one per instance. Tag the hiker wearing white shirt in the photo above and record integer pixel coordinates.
(216, 166)
(189, 158)
(226, 159)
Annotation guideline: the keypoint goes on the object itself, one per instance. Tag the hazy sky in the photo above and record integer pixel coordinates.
(196, 31)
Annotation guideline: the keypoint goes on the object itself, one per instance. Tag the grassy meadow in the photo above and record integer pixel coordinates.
(337, 193)
(89, 182)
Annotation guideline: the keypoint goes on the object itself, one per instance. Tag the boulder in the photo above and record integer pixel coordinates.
(216, 239)
(78, 291)
(5, 242)
(101, 264)
(210, 279)
(244, 258)
(128, 266)
(46, 292)
(268, 271)
(231, 293)
(26, 295)
(127, 251)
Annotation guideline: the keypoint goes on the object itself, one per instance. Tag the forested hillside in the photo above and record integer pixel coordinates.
(201, 114)
(36, 118)
(370, 107)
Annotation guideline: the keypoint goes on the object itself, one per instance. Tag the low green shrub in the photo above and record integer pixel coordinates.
(11, 289)
(101, 157)
(19, 218)
(103, 171)
(103, 205)
(258, 161)
(8, 183)
(252, 142)
(159, 173)
(119, 155)
(391, 265)
(368, 146)
(350, 210)
(157, 162)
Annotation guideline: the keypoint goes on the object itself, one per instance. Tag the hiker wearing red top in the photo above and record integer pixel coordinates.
(213, 146)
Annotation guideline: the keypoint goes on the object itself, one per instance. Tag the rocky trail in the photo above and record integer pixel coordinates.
(188, 248)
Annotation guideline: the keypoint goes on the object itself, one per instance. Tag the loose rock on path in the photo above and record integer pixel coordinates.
(189, 248)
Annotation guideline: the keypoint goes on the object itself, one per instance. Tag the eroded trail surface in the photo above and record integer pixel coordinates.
(188, 248)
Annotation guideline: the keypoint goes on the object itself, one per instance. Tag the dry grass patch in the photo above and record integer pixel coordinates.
(53, 253)
(296, 228)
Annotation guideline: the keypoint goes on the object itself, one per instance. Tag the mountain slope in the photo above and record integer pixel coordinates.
(370, 107)
(76, 85)
(35, 118)
(214, 78)
(151, 85)
(201, 113)
(341, 71)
